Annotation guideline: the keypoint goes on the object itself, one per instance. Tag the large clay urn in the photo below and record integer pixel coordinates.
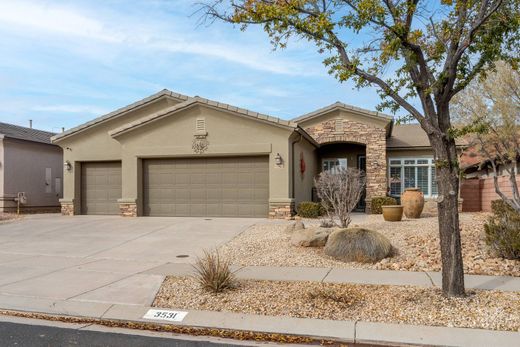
(413, 202)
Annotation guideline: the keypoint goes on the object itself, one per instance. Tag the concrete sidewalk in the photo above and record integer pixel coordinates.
(360, 276)
(342, 331)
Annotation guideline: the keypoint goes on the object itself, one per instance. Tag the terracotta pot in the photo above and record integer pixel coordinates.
(392, 213)
(413, 202)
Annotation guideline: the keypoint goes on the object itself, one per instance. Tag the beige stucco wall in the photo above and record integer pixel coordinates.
(95, 144)
(228, 134)
(303, 183)
(32, 159)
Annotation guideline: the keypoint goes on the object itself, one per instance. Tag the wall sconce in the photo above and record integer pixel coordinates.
(67, 166)
(278, 160)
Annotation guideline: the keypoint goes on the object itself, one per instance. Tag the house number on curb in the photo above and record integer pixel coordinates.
(172, 316)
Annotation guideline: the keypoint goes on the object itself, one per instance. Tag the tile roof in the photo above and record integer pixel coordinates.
(198, 100)
(407, 135)
(120, 111)
(23, 133)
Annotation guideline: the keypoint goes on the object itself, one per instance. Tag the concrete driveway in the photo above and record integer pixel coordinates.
(104, 259)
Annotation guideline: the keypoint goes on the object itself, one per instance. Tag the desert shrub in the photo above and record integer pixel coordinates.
(503, 230)
(377, 203)
(214, 273)
(309, 209)
(358, 244)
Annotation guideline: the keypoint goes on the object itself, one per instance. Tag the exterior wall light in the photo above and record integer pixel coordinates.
(67, 166)
(278, 159)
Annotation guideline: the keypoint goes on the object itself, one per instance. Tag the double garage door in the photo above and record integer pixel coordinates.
(219, 187)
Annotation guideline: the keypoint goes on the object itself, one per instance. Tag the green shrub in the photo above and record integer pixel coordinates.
(379, 201)
(309, 209)
(503, 230)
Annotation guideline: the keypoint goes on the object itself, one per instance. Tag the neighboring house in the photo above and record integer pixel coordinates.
(477, 189)
(30, 165)
(174, 155)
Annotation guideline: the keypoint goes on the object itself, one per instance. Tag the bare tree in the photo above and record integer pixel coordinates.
(340, 192)
(489, 111)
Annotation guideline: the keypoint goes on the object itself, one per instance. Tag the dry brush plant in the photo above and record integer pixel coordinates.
(340, 192)
(213, 273)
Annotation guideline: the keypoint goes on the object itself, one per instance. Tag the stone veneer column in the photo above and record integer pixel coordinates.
(67, 207)
(376, 184)
(127, 208)
(281, 208)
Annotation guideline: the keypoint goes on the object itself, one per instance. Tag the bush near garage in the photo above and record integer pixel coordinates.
(377, 203)
(309, 209)
(503, 230)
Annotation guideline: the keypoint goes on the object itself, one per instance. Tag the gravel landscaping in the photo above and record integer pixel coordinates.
(266, 244)
(392, 304)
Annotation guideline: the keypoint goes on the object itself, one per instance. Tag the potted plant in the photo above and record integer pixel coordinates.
(392, 213)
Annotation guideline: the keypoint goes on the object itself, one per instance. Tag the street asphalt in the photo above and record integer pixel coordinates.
(21, 335)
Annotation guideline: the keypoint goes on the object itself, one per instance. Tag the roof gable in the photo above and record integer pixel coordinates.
(190, 102)
(165, 93)
(344, 107)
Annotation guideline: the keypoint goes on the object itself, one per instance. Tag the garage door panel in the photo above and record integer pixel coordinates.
(227, 187)
(100, 187)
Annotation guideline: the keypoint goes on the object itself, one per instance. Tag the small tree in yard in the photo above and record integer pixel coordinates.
(340, 192)
(489, 111)
(415, 52)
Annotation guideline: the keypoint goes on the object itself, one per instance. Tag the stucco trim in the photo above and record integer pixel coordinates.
(191, 102)
(214, 150)
(119, 112)
(345, 107)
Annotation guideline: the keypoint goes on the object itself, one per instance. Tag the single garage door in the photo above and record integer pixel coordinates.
(100, 187)
(219, 187)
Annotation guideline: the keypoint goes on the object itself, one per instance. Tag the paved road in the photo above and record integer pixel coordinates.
(21, 335)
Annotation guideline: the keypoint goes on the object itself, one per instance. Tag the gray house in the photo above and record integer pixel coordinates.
(31, 170)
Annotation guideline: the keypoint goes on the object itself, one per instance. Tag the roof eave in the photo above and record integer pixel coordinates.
(117, 113)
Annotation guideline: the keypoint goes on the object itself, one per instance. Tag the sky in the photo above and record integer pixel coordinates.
(63, 63)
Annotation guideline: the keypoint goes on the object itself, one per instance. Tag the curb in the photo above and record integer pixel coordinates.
(257, 327)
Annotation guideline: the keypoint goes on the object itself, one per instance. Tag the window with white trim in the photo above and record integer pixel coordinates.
(334, 165)
(412, 173)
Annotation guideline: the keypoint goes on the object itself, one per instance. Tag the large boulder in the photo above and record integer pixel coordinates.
(312, 237)
(358, 244)
(291, 228)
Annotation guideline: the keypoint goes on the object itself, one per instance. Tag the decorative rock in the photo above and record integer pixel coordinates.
(312, 237)
(291, 228)
(358, 244)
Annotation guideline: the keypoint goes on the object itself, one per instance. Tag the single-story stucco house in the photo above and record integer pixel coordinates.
(31, 170)
(174, 155)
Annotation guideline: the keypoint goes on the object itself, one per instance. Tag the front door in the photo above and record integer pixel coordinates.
(362, 165)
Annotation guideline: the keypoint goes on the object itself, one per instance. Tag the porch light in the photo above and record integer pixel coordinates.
(67, 165)
(278, 159)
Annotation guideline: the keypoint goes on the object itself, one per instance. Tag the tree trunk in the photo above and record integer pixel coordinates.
(448, 190)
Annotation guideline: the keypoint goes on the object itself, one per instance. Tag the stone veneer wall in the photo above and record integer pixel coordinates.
(281, 209)
(67, 208)
(372, 137)
(128, 209)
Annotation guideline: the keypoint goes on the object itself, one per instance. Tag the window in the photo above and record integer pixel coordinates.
(412, 173)
(333, 165)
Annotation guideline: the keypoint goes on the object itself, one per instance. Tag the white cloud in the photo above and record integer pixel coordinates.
(38, 18)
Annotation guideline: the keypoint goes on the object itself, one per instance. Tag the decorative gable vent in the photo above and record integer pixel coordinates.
(338, 126)
(200, 125)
